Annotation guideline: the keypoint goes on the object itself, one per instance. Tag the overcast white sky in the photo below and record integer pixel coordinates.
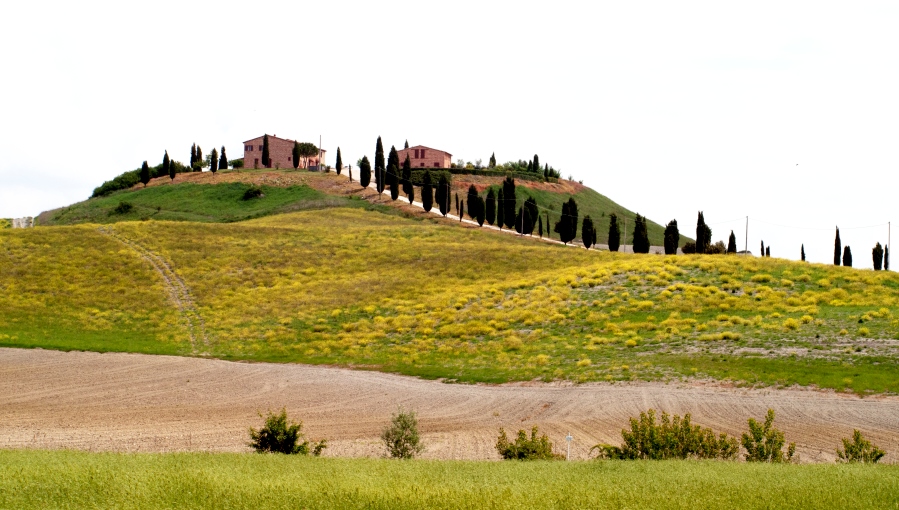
(785, 112)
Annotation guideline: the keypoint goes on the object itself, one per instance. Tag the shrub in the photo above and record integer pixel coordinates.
(123, 208)
(401, 436)
(673, 438)
(859, 450)
(524, 447)
(689, 248)
(764, 443)
(253, 192)
(278, 435)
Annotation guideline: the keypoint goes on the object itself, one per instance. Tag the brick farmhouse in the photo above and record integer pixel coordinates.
(426, 157)
(280, 152)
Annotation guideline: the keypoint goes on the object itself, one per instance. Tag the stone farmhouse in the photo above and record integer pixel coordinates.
(426, 157)
(280, 152)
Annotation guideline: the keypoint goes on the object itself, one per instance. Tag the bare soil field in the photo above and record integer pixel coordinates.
(132, 402)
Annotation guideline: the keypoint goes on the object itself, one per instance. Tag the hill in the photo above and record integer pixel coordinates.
(355, 287)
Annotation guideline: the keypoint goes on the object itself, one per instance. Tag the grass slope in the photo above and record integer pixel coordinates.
(192, 202)
(40, 479)
(358, 288)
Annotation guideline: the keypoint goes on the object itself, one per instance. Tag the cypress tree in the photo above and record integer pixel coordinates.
(802, 252)
(530, 166)
(393, 177)
(145, 173)
(566, 227)
(443, 195)
(193, 156)
(847, 256)
(524, 220)
(199, 159)
(427, 192)
(214, 162)
(500, 210)
(493, 160)
(837, 249)
(877, 253)
(509, 202)
(732, 243)
(615, 233)
(458, 213)
(768, 251)
(481, 213)
(540, 226)
(763, 249)
(587, 234)
(461, 208)
(703, 235)
(266, 162)
(338, 165)
(364, 172)
(490, 206)
(405, 147)
(172, 171)
(473, 202)
(546, 172)
(672, 238)
(379, 166)
(296, 154)
(641, 237)
(394, 186)
(165, 164)
(519, 220)
(411, 194)
(223, 160)
(350, 173)
(407, 178)
(536, 163)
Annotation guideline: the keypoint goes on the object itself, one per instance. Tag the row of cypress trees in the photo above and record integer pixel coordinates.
(880, 254)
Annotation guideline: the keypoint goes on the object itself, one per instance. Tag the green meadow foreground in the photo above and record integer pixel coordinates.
(38, 479)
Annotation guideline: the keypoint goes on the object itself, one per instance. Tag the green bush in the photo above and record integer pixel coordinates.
(123, 208)
(859, 450)
(764, 443)
(401, 436)
(672, 438)
(5, 223)
(253, 192)
(278, 435)
(524, 447)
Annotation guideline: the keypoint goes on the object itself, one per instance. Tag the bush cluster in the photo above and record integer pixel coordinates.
(278, 435)
(671, 438)
(764, 443)
(525, 448)
(253, 192)
(401, 437)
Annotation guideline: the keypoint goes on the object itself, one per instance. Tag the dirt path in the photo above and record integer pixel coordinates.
(178, 291)
(131, 402)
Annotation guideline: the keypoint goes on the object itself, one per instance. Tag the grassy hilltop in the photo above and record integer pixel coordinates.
(354, 286)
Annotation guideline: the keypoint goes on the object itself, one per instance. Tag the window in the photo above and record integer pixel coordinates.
(248, 148)
(422, 165)
(260, 147)
(288, 158)
(436, 164)
(416, 153)
(422, 154)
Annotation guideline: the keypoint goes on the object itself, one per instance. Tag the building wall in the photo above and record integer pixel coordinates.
(433, 158)
(280, 151)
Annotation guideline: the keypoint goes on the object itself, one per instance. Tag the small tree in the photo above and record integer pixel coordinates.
(566, 227)
(172, 168)
(214, 162)
(407, 145)
(587, 232)
(165, 164)
(703, 234)
(338, 165)
(199, 163)
(490, 207)
(492, 163)
(524, 447)
(641, 237)
(536, 163)
(427, 192)
(764, 443)
(762, 248)
(443, 195)
(672, 238)
(859, 450)
(364, 172)
(877, 253)
(145, 173)
(732, 243)
(473, 201)
(847, 256)
(379, 165)
(193, 155)
(223, 160)
(278, 435)
(768, 251)
(802, 252)
(401, 436)
(614, 233)
(837, 249)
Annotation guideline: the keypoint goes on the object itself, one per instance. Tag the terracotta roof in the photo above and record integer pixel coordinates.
(278, 138)
(426, 147)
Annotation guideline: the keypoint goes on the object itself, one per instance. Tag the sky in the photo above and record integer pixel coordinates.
(783, 112)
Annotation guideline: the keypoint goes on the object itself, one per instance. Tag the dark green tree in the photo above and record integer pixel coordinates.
(473, 202)
(427, 192)
(193, 155)
(173, 169)
(587, 234)
(443, 195)
(407, 145)
(847, 256)
(364, 172)
(762, 248)
(530, 166)
(641, 237)
(877, 253)
(379, 167)
(732, 243)
(615, 233)
(536, 163)
(406, 177)
(296, 155)
(458, 213)
(493, 160)
(703, 235)
(546, 172)
(481, 206)
(145, 173)
(338, 165)
(509, 202)
(266, 161)
(461, 210)
(566, 227)
(500, 210)
(490, 207)
(672, 238)
(200, 161)
(393, 177)
(214, 162)
(802, 252)
(524, 220)
(223, 160)
(768, 251)
(837, 249)
(392, 173)
(540, 226)
(165, 163)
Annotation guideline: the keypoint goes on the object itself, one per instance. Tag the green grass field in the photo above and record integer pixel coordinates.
(64, 479)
